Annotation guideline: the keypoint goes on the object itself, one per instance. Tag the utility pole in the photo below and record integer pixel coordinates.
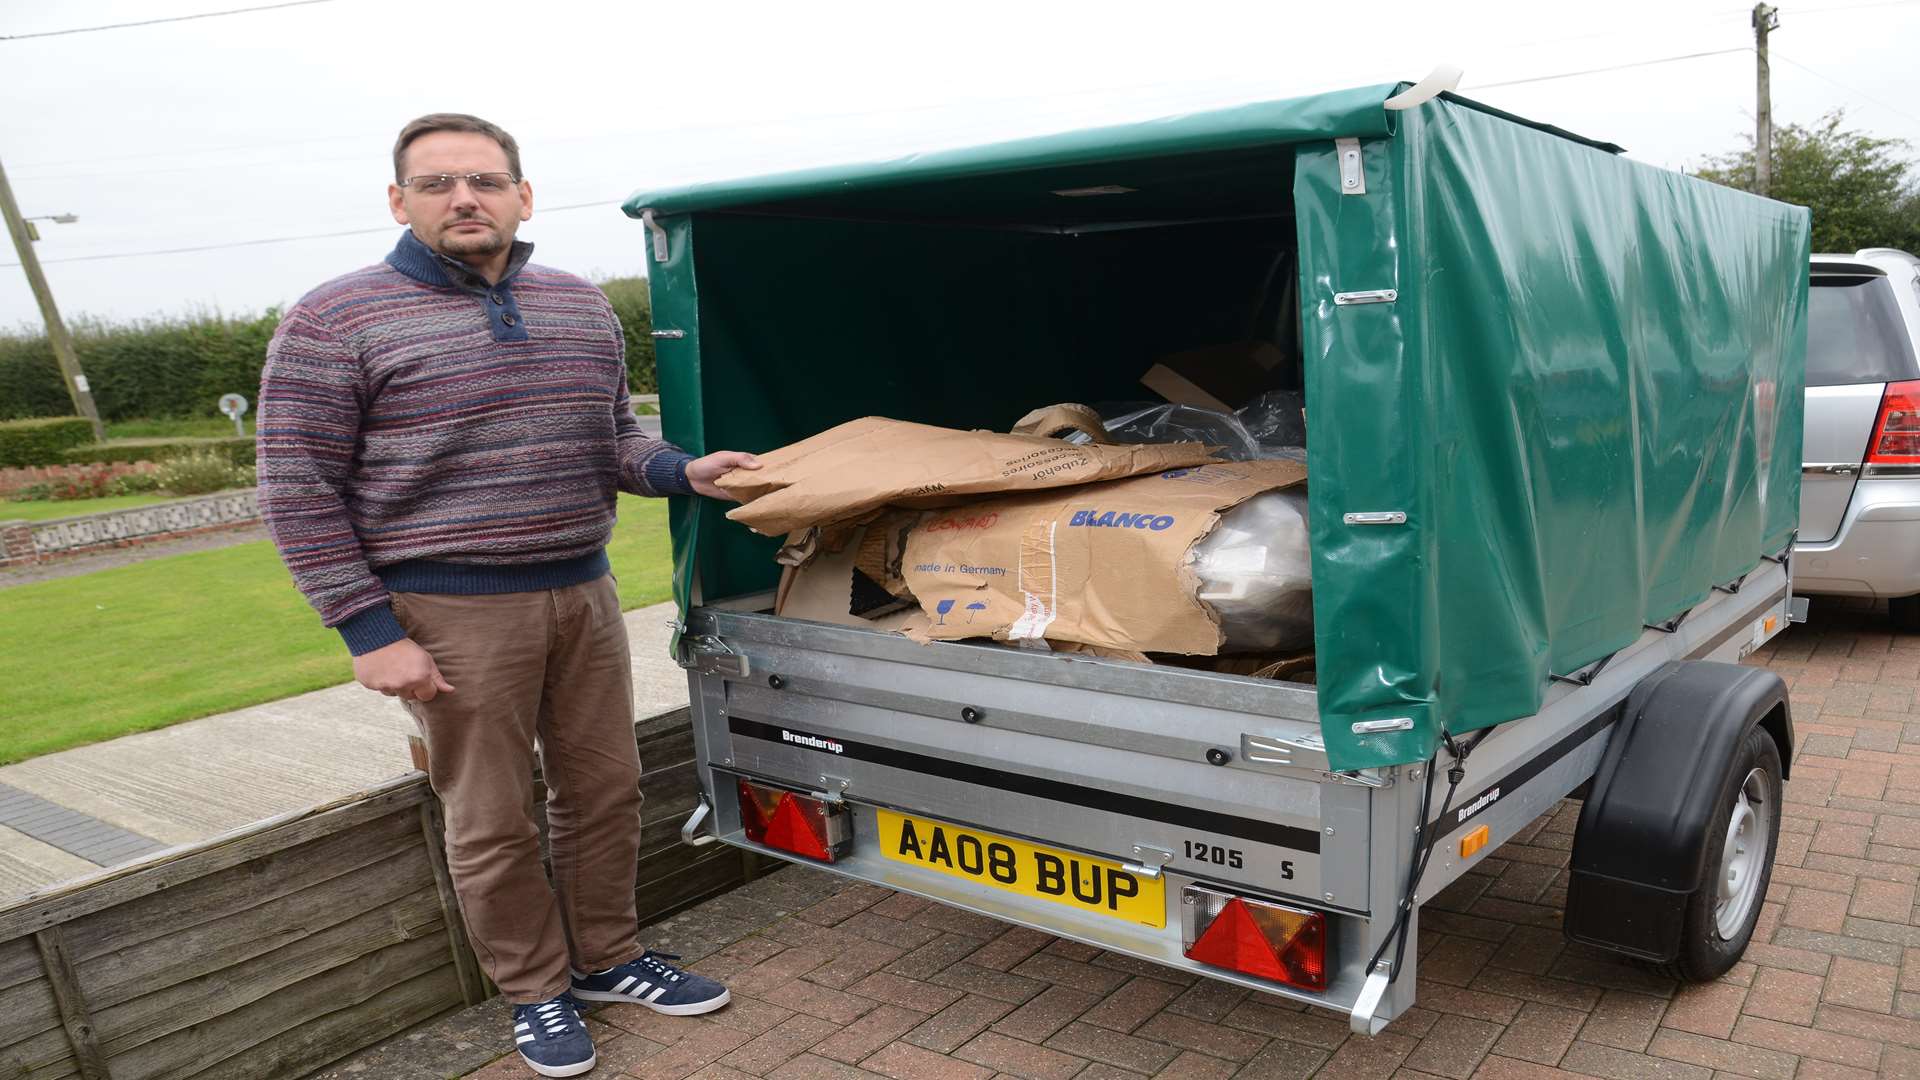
(1765, 18)
(56, 330)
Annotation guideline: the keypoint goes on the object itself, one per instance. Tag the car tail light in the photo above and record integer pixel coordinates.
(794, 823)
(1254, 937)
(1896, 434)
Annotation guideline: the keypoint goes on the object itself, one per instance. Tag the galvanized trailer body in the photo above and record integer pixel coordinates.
(1553, 402)
(1109, 760)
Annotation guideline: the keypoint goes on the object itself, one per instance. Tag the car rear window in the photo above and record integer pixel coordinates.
(1855, 333)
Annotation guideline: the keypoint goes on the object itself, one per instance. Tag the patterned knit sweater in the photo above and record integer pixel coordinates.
(423, 431)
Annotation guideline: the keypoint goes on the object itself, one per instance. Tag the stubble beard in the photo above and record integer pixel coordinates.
(462, 245)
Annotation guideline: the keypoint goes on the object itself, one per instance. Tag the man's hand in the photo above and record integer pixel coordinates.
(702, 472)
(403, 670)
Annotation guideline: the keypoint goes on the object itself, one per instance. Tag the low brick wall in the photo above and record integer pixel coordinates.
(42, 541)
(13, 479)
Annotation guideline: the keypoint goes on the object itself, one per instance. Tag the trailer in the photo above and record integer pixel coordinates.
(1553, 403)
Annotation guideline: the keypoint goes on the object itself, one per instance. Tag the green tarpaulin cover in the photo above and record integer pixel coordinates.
(1585, 396)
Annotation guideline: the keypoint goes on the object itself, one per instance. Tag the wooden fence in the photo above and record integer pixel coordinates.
(275, 949)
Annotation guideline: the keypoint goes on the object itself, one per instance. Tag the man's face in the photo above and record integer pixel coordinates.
(463, 223)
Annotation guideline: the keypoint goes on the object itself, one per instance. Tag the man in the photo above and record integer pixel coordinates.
(441, 438)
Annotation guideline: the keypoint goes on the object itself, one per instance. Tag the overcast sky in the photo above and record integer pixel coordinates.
(278, 124)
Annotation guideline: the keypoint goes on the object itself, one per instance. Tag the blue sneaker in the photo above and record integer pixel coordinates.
(550, 1036)
(653, 982)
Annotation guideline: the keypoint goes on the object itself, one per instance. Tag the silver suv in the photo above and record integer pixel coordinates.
(1860, 471)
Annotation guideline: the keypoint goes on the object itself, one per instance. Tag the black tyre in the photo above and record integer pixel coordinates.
(1720, 916)
(1904, 613)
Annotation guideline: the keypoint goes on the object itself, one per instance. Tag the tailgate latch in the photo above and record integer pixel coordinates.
(1303, 751)
(709, 655)
(690, 833)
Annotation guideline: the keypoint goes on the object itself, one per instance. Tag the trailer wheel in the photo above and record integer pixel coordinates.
(1721, 914)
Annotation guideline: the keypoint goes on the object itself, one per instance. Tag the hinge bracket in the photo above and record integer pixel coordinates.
(1150, 860)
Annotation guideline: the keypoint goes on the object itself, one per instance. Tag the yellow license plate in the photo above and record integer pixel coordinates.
(1064, 877)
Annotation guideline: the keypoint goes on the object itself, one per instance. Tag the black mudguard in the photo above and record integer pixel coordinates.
(1640, 849)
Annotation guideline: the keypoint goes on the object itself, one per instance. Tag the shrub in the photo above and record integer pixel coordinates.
(42, 442)
(134, 484)
(40, 492)
(632, 303)
(152, 368)
(179, 366)
(87, 485)
(201, 472)
(237, 450)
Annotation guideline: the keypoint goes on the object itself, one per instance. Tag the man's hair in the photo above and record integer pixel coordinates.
(446, 121)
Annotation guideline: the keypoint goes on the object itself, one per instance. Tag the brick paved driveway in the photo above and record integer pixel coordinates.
(833, 980)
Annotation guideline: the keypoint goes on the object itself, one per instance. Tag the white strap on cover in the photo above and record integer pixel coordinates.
(659, 235)
(1438, 81)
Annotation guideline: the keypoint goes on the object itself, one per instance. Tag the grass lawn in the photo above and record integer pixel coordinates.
(218, 427)
(47, 510)
(147, 645)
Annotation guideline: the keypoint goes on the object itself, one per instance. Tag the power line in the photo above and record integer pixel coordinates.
(30, 166)
(577, 206)
(276, 239)
(615, 202)
(601, 137)
(156, 22)
(1615, 67)
(1851, 90)
(188, 152)
(1850, 7)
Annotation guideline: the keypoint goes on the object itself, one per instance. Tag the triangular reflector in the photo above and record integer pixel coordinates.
(1234, 941)
(791, 831)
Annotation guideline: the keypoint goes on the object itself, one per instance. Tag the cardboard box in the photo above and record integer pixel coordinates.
(821, 586)
(1222, 378)
(858, 467)
(1104, 565)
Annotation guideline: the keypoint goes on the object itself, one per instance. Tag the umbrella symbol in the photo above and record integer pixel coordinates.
(941, 610)
(977, 605)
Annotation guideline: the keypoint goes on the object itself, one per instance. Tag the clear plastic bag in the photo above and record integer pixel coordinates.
(1272, 425)
(1184, 423)
(1276, 421)
(1256, 571)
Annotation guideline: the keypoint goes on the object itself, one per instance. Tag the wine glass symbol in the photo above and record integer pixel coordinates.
(941, 610)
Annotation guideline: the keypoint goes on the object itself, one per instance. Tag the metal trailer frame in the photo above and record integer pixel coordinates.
(1130, 763)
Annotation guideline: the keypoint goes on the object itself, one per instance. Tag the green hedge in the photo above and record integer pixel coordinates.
(150, 369)
(239, 450)
(179, 367)
(42, 442)
(630, 301)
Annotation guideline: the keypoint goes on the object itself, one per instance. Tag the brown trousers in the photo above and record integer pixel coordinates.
(551, 664)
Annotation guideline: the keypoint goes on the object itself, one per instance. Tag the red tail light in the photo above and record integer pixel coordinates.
(794, 823)
(1896, 435)
(1257, 938)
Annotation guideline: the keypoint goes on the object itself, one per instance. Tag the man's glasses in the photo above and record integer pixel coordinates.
(480, 183)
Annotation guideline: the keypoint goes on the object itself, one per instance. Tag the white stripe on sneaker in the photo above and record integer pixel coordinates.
(626, 982)
(524, 1039)
(655, 996)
